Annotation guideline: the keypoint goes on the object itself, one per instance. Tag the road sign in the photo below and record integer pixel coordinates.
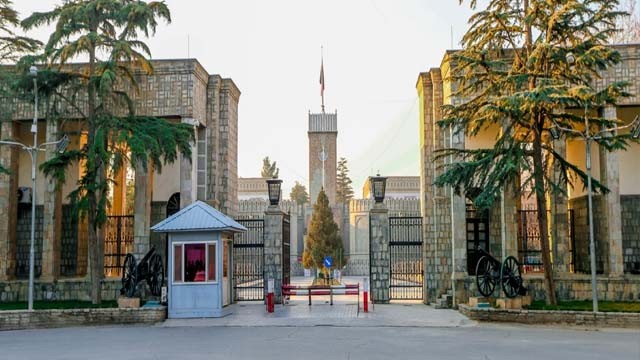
(328, 262)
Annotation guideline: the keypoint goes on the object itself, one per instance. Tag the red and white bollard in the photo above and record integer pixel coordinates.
(270, 302)
(365, 295)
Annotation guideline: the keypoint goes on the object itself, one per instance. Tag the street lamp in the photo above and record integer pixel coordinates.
(378, 185)
(589, 137)
(61, 146)
(273, 186)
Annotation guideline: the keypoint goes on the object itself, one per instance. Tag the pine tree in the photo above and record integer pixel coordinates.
(299, 194)
(514, 72)
(269, 170)
(12, 46)
(107, 32)
(344, 190)
(323, 238)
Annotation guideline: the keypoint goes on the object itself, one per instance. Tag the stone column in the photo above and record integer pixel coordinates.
(458, 231)
(611, 209)
(379, 253)
(187, 166)
(273, 250)
(52, 221)
(142, 210)
(8, 203)
(560, 219)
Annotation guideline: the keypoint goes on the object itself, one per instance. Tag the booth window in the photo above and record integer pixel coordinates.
(194, 262)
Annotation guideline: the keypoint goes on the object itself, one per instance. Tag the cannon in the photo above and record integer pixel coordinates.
(489, 272)
(150, 268)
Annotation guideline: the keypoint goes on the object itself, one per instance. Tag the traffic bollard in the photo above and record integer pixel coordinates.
(270, 303)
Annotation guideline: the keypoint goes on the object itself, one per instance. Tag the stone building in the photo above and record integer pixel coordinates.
(509, 228)
(323, 137)
(178, 90)
(252, 188)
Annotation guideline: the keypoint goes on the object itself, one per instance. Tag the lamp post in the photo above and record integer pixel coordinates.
(378, 186)
(589, 137)
(61, 146)
(273, 186)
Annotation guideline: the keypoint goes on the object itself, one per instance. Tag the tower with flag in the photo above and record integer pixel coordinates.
(323, 136)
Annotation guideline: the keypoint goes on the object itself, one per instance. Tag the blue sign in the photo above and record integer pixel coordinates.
(328, 261)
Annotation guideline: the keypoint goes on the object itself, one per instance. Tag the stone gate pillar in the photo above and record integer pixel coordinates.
(52, 219)
(379, 253)
(560, 219)
(142, 210)
(273, 235)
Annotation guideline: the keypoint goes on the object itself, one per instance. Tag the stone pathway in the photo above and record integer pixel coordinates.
(344, 313)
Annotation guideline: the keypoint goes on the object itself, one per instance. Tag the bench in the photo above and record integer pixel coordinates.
(319, 290)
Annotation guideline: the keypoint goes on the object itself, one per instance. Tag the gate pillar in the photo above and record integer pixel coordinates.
(379, 253)
(273, 261)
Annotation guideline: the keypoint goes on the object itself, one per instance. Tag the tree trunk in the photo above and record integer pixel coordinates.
(541, 202)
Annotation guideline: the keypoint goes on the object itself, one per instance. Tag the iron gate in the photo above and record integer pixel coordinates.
(248, 261)
(477, 237)
(118, 241)
(286, 250)
(405, 265)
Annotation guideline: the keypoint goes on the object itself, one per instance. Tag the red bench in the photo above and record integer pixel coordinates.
(316, 290)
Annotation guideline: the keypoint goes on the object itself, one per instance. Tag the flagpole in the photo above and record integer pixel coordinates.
(322, 76)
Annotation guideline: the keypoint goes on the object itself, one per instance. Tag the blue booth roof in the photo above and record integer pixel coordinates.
(198, 217)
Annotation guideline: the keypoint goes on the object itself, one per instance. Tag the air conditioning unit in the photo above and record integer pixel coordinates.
(24, 195)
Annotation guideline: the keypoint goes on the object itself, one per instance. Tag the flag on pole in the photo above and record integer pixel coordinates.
(322, 78)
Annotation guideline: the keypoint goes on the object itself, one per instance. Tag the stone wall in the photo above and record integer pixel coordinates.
(631, 232)
(159, 240)
(582, 260)
(543, 317)
(380, 256)
(63, 289)
(22, 319)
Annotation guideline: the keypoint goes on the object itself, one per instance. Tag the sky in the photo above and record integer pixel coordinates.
(373, 53)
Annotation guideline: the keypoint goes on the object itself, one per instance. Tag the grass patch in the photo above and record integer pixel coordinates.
(68, 304)
(604, 306)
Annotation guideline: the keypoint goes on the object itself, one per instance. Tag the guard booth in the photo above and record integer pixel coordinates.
(200, 261)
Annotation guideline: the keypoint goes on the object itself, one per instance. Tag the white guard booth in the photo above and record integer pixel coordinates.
(200, 259)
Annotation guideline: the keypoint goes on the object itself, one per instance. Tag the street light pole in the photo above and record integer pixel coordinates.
(34, 159)
(592, 244)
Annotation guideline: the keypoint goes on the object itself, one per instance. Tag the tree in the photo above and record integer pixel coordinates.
(269, 170)
(299, 194)
(344, 190)
(515, 71)
(628, 25)
(107, 32)
(12, 46)
(323, 238)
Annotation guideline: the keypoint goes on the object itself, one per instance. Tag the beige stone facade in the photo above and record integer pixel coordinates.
(398, 187)
(323, 137)
(252, 188)
(178, 90)
(445, 217)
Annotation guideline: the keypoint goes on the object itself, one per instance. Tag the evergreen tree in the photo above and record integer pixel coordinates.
(107, 32)
(344, 190)
(269, 170)
(515, 71)
(323, 238)
(299, 194)
(12, 46)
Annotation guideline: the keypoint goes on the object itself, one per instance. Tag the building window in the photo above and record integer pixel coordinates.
(195, 262)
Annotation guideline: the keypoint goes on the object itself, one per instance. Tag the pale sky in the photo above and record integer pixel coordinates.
(373, 52)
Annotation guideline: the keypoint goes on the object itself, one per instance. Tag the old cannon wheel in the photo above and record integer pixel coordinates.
(129, 275)
(156, 275)
(511, 277)
(485, 280)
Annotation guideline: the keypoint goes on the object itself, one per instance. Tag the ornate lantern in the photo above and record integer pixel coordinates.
(378, 186)
(273, 185)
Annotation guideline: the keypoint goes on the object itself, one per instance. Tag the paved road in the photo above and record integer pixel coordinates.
(319, 342)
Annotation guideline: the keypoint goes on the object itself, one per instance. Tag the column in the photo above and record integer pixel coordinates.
(8, 203)
(510, 218)
(187, 169)
(458, 232)
(142, 210)
(379, 253)
(610, 208)
(52, 221)
(273, 218)
(560, 218)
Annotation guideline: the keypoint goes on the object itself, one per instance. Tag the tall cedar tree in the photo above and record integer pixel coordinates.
(299, 194)
(107, 33)
(344, 190)
(269, 170)
(12, 46)
(513, 72)
(323, 238)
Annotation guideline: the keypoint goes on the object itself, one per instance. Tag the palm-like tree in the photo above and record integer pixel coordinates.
(107, 32)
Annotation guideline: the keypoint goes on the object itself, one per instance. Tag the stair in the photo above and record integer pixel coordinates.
(445, 301)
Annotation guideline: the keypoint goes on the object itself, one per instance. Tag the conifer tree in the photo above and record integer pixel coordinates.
(323, 238)
(269, 170)
(299, 194)
(515, 71)
(344, 190)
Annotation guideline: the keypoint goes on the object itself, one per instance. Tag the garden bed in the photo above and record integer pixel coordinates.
(67, 304)
(603, 306)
